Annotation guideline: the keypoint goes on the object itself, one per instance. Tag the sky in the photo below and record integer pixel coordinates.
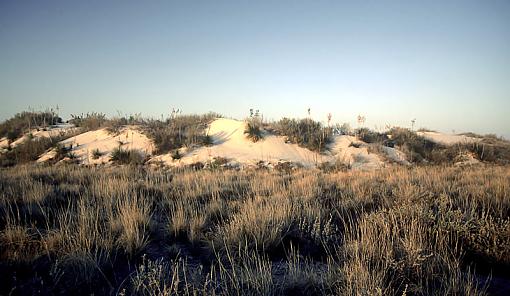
(444, 63)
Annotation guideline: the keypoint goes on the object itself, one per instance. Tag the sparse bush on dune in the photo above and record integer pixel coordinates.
(176, 154)
(95, 120)
(369, 136)
(13, 128)
(96, 154)
(490, 150)
(304, 132)
(343, 129)
(90, 121)
(126, 156)
(253, 130)
(130, 230)
(179, 131)
(254, 124)
(416, 147)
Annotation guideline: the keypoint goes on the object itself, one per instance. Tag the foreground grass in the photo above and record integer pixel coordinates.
(126, 230)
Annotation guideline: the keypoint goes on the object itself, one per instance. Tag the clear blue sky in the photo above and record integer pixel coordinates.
(445, 63)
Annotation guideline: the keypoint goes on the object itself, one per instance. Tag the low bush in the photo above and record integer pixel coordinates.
(417, 148)
(304, 132)
(13, 128)
(176, 154)
(96, 154)
(179, 131)
(334, 167)
(89, 121)
(369, 136)
(490, 150)
(253, 129)
(343, 129)
(126, 156)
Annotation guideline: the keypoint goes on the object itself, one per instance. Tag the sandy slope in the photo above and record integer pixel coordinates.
(447, 139)
(230, 142)
(83, 144)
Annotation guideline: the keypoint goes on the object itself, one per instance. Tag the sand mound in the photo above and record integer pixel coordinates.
(447, 139)
(230, 142)
(84, 144)
(395, 155)
(354, 153)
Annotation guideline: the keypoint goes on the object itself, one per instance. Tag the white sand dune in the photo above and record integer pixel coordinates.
(353, 152)
(84, 144)
(447, 139)
(396, 155)
(230, 142)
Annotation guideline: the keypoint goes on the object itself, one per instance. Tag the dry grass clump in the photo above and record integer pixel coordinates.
(130, 230)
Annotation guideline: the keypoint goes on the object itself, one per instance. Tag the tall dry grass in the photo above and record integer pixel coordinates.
(134, 230)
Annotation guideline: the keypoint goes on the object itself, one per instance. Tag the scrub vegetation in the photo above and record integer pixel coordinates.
(21, 123)
(305, 132)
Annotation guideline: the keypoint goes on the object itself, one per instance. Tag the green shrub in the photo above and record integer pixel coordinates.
(126, 156)
(96, 154)
(368, 136)
(89, 121)
(329, 167)
(417, 148)
(61, 152)
(14, 127)
(115, 125)
(182, 130)
(304, 132)
(253, 130)
(343, 129)
(72, 155)
(218, 162)
(176, 154)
